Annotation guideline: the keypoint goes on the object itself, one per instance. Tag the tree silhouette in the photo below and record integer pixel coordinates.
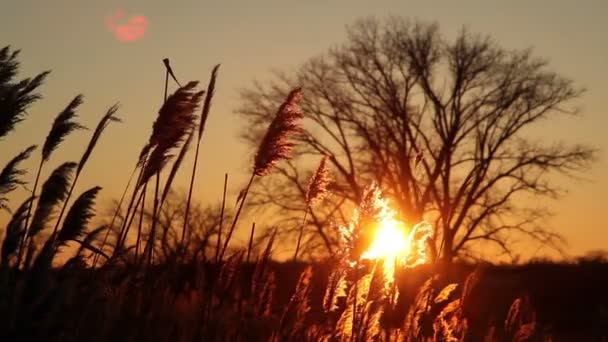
(440, 124)
(199, 243)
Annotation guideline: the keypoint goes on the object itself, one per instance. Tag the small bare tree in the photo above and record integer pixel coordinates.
(199, 242)
(442, 125)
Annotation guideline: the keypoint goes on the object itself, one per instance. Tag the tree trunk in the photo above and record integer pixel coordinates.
(447, 250)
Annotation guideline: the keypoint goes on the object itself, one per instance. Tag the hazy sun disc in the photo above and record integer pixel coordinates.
(133, 29)
(390, 241)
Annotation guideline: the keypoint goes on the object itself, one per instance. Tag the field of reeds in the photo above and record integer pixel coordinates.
(130, 279)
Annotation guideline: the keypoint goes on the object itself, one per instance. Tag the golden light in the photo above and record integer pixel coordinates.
(384, 239)
(393, 243)
(389, 242)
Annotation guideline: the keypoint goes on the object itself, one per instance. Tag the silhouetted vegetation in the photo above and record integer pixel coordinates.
(159, 266)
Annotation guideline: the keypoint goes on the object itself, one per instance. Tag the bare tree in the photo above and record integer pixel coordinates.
(440, 124)
(200, 240)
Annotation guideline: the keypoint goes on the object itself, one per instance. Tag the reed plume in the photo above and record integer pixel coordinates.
(8, 64)
(63, 125)
(449, 324)
(10, 177)
(336, 289)
(178, 162)
(143, 158)
(175, 119)
(276, 145)
(317, 187)
(15, 229)
(316, 191)
(354, 236)
(17, 96)
(54, 192)
(106, 119)
(78, 217)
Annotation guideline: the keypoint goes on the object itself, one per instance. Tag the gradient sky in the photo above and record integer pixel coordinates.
(252, 38)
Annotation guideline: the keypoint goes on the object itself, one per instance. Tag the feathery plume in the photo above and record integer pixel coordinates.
(316, 191)
(54, 191)
(178, 162)
(175, 119)
(15, 230)
(109, 116)
(207, 104)
(277, 144)
(78, 216)
(62, 126)
(336, 289)
(17, 96)
(450, 325)
(355, 236)
(418, 240)
(10, 175)
(317, 187)
(9, 65)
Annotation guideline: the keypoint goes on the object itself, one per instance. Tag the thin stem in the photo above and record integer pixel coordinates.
(124, 228)
(202, 121)
(295, 254)
(127, 223)
(152, 237)
(23, 241)
(116, 212)
(250, 241)
(187, 213)
(236, 217)
(141, 223)
(219, 231)
(65, 204)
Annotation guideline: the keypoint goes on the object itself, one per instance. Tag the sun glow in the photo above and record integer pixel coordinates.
(389, 242)
(392, 242)
(376, 237)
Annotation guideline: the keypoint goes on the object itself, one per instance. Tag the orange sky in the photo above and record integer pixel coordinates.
(252, 38)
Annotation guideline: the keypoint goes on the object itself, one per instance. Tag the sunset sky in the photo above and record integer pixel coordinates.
(90, 50)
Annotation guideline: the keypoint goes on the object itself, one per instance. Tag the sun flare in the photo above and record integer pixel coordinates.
(392, 241)
(389, 241)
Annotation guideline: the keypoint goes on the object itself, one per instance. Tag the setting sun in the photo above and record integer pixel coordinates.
(390, 241)
(313, 171)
